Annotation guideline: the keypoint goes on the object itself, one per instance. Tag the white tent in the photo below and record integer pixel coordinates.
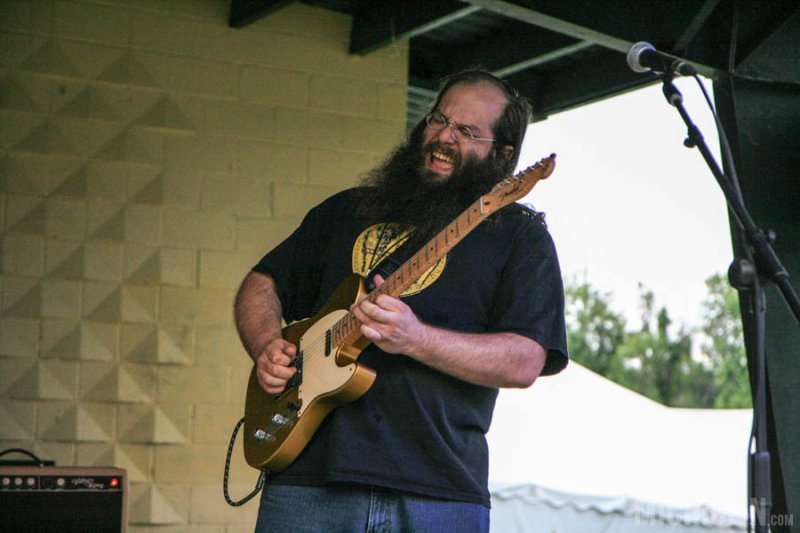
(603, 450)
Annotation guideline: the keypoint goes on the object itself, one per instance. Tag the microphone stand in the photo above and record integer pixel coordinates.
(760, 264)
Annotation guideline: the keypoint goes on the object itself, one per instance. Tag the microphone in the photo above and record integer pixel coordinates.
(643, 57)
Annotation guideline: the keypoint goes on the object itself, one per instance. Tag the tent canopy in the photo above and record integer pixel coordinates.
(580, 433)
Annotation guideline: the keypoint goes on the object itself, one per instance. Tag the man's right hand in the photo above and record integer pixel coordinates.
(272, 365)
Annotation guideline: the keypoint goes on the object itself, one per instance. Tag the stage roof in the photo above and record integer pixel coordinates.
(560, 54)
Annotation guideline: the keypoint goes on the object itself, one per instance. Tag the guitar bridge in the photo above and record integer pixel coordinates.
(285, 418)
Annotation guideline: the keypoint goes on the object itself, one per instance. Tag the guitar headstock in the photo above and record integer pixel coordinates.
(515, 187)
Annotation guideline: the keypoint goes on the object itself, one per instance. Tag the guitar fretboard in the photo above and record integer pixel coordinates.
(347, 329)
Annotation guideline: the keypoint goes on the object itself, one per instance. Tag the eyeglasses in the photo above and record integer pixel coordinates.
(460, 134)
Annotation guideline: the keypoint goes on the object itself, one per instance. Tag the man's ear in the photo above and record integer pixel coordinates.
(507, 151)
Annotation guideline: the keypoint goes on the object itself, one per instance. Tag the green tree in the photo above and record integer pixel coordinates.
(658, 363)
(723, 344)
(594, 330)
(657, 359)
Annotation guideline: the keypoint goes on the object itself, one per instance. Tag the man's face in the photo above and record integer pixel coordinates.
(476, 106)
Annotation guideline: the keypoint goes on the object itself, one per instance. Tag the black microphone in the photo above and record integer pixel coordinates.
(643, 57)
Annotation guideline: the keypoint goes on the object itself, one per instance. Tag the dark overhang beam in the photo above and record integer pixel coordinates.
(569, 19)
(244, 12)
(517, 48)
(597, 77)
(379, 24)
(776, 57)
(541, 19)
(694, 27)
(542, 58)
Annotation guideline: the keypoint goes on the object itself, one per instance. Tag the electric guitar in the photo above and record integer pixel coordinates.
(279, 426)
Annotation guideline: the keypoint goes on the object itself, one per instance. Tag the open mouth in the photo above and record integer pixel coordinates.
(440, 161)
(440, 156)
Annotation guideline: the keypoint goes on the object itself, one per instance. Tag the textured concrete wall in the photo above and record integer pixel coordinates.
(149, 155)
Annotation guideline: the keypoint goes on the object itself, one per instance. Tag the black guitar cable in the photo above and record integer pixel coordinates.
(261, 478)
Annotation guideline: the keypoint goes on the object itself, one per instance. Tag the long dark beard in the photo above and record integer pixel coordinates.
(403, 190)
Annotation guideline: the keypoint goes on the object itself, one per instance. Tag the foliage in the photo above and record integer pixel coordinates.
(723, 344)
(594, 330)
(657, 360)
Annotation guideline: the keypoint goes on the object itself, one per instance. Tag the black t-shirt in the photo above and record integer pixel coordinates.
(417, 429)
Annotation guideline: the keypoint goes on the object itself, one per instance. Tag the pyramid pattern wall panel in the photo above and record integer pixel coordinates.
(149, 155)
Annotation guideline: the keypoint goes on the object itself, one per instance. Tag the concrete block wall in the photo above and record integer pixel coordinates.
(149, 155)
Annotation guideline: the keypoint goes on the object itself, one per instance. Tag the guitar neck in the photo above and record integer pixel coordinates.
(444, 241)
(348, 329)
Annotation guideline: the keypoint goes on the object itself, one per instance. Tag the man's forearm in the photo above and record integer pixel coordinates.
(489, 359)
(258, 312)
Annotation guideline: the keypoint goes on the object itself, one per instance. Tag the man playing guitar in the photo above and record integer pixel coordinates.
(409, 453)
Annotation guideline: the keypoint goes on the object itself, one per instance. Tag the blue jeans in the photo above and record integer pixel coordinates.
(353, 508)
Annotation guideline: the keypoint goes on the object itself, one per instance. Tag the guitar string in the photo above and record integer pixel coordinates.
(322, 340)
(376, 259)
(318, 342)
(377, 256)
(417, 258)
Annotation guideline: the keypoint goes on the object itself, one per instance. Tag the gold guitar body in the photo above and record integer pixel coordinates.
(278, 427)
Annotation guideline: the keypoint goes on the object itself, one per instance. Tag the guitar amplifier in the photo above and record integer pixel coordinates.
(48, 498)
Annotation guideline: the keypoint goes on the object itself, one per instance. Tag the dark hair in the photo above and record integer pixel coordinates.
(509, 129)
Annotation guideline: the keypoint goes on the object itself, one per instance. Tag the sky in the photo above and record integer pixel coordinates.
(629, 203)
